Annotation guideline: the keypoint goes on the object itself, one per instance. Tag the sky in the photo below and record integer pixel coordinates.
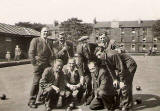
(47, 11)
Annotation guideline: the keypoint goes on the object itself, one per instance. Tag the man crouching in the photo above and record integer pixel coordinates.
(52, 83)
(102, 87)
(74, 82)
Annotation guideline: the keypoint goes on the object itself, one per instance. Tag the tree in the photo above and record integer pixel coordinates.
(35, 26)
(75, 28)
(56, 23)
(156, 29)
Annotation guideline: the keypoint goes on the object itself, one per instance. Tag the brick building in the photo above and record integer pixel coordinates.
(134, 36)
(11, 35)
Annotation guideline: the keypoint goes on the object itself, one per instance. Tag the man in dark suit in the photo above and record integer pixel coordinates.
(52, 84)
(85, 53)
(123, 65)
(40, 55)
(63, 49)
(102, 88)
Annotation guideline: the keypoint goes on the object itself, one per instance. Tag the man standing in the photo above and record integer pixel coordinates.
(40, 54)
(52, 84)
(85, 53)
(63, 49)
(102, 88)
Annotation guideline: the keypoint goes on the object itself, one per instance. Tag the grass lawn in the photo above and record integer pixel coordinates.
(16, 82)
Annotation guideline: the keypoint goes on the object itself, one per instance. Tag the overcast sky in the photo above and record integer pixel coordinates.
(46, 11)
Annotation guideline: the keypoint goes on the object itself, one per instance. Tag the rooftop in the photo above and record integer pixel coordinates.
(140, 23)
(16, 30)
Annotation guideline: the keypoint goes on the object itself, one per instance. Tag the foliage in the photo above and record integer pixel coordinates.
(75, 28)
(36, 26)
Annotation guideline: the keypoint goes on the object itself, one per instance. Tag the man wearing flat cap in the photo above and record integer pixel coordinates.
(85, 53)
(63, 49)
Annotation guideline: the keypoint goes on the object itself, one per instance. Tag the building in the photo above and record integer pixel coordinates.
(11, 35)
(134, 36)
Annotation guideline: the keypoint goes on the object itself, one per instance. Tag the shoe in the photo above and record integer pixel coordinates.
(32, 105)
(69, 109)
(48, 109)
(72, 105)
(40, 103)
(124, 109)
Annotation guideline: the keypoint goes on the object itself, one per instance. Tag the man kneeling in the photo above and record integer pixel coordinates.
(52, 83)
(102, 88)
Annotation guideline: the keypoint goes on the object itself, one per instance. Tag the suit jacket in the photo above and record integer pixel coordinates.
(102, 81)
(39, 51)
(64, 55)
(72, 77)
(85, 54)
(116, 64)
(49, 78)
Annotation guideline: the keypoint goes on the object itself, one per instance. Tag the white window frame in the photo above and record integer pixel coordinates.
(133, 48)
(144, 39)
(155, 39)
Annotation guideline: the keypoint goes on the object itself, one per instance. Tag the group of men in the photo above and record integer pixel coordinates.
(97, 73)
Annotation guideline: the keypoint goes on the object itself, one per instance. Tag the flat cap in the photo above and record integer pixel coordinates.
(52, 38)
(83, 38)
(62, 33)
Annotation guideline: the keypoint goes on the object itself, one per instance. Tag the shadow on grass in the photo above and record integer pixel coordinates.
(148, 101)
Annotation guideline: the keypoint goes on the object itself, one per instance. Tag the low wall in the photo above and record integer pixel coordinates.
(14, 63)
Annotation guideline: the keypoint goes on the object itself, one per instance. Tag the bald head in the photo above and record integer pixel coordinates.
(92, 67)
(44, 32)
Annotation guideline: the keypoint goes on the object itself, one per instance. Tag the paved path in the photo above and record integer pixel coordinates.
(16, 81)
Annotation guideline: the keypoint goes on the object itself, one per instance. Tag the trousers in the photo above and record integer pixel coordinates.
(37, 75)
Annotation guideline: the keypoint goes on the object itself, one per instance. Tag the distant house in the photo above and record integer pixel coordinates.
(134, 36)
(11, 35)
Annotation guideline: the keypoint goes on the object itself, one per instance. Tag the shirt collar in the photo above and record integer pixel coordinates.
(75, 69)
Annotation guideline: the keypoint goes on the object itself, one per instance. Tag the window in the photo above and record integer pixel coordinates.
(133, 39)
(144, 39)
(133, 46)
(122, 39)
(144, 47)
(133, 31)
(144, 31)
(8, 39)
(154, 47)
(122, 31)
(155, 39)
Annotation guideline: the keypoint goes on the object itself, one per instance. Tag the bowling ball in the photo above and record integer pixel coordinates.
(138, 88)
(139, 101)
(3, 97)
